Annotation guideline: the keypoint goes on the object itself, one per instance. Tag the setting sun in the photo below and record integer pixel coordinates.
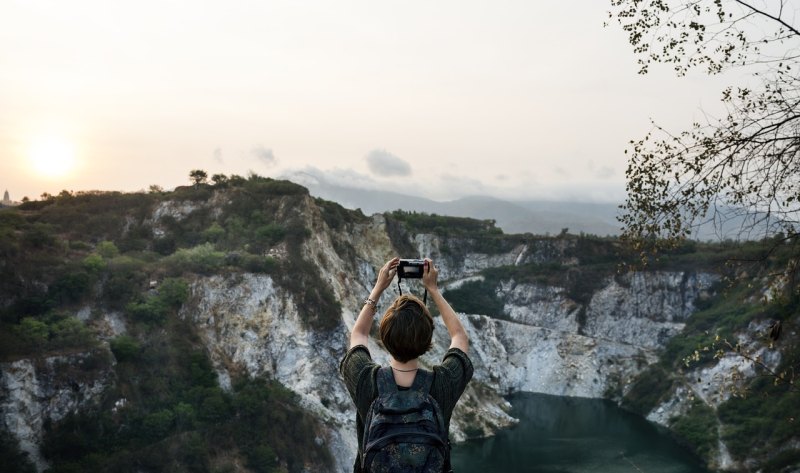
(52, 156)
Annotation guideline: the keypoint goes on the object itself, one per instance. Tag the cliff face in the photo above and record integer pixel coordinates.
(547, 341)
(250, 324)
(33, 392)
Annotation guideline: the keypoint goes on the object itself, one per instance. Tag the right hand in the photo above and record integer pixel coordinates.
(429, 275)
(386, 274)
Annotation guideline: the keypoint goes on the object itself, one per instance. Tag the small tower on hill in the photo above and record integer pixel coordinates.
(6, 197)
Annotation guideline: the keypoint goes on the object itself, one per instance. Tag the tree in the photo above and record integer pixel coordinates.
(219, 180)
(740, 168)
(198, 176)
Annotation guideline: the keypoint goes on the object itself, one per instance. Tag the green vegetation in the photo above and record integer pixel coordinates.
(767, 416)
(460, 235)
(176, 415)
(93, 253)
(100, 250)
(477, 297)
(761, 415)
(649, 389)
(698, 429)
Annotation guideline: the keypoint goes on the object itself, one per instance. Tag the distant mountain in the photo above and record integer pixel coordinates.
(537, 217)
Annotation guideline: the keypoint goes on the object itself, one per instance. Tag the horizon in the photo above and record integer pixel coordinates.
(517, 102)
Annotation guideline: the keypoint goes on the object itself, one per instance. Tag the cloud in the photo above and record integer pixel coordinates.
(385, 164)
(265, 155)
(218, 155)
(605, 172)
(347, 177)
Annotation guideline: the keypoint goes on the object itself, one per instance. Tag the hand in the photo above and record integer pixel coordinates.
(429, 275)
(386, 274)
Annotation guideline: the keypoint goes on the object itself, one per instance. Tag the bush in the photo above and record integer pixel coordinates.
(151, 311)
(698, 429)
(33, 331)
(648, 390)
(173, 292)
(270, 234)
(70, 287)
(262, 459)
(477, 297)
(125, 348)
(213, 233)
(202, 259)
(107, 249)
(39, 235)
(259, 264)
(55, 331)
(94, 264)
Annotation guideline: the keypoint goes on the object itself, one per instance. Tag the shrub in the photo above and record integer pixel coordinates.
(107, 249)
(158, 424)
(259, 264)
(151, 311)
(34, 331)
(477, 297)
(213, 233)
(173, 292)
(262, 459)
(200, 259)
(94, 264)
(39, 235)
(125, 348)
(70, 287)
(698, 429)
(270, 234)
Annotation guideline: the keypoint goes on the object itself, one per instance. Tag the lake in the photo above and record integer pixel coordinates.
(574, 435)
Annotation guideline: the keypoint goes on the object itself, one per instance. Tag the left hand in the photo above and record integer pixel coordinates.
(386, 274)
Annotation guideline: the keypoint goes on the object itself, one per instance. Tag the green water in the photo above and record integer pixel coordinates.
(572, 435)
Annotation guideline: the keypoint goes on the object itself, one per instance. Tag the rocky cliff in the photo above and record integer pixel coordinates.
(250, 324)
(547, 338)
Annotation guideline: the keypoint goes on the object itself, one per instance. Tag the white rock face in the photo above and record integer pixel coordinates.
(32, 393)
(541, 306)
(645, 309)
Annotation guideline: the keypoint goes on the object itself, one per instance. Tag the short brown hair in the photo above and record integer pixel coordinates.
(407, 328)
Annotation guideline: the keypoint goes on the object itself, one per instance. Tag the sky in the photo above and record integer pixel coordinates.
(443, 99)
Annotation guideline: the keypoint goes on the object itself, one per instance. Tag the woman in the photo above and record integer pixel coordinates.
(406, 330)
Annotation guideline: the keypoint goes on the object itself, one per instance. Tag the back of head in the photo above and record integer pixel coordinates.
(407, 328)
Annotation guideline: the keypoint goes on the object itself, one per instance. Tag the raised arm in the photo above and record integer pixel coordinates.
(458, 336)
(360, 333)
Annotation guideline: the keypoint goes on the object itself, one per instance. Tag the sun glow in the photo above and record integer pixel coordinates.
(52, 156)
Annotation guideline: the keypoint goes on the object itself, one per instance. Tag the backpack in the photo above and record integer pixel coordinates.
(404, 430)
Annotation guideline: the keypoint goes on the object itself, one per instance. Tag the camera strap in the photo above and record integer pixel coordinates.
(399, 288)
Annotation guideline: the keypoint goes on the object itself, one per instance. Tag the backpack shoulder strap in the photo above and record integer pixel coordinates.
(386, 382)
(423, 381)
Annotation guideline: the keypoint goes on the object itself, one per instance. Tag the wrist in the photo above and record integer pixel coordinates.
(376, 292)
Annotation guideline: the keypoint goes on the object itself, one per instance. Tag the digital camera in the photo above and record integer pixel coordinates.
(411, 268)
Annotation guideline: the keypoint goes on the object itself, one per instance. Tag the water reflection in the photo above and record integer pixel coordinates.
(573, 435)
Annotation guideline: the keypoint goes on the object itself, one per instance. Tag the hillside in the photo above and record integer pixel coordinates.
(198, 330)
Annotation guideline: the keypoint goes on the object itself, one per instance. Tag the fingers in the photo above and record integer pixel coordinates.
(429, 266)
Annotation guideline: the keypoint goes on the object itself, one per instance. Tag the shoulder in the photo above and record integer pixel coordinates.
(355, 364)
(359, 373)
(455, 365)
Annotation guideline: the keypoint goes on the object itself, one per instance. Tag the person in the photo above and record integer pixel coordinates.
(406, 330)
